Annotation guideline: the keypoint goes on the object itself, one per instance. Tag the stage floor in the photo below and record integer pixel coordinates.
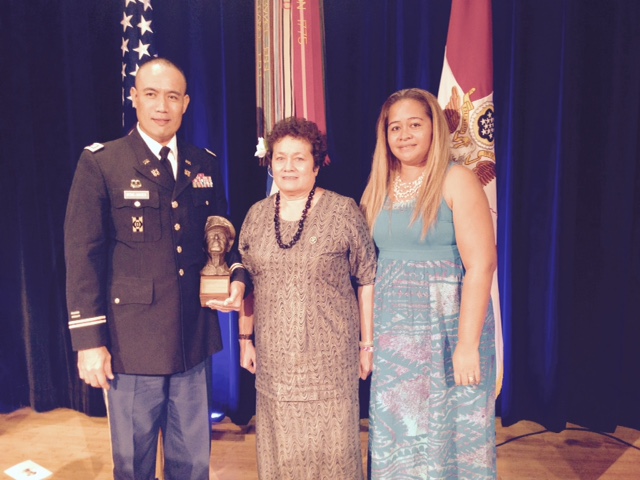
(74, 446)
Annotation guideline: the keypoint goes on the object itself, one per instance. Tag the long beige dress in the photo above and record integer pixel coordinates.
(307, 328)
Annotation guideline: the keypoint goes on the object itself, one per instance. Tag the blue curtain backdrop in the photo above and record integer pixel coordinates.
(566, 77)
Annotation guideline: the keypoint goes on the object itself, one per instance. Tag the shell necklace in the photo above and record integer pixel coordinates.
(404, 191)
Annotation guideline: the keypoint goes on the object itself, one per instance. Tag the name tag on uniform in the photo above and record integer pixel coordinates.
(136, 194)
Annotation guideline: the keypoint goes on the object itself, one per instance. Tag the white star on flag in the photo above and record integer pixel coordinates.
(125, 46)
(147, 4)
(124, 71)
(126, 21)
(144, 26)
(142, 49)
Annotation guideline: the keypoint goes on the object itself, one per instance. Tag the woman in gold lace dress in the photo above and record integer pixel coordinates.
(302, 246)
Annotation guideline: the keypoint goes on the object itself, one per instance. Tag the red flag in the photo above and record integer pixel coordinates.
(289, 63)
(308, 62)
(466, 94)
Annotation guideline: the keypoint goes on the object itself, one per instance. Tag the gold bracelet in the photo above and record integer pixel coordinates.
(245, 336)
(366, 344)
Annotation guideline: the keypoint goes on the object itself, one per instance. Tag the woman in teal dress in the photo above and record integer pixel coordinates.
(432, 411)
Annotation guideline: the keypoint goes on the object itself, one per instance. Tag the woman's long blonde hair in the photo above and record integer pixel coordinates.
(384, 165)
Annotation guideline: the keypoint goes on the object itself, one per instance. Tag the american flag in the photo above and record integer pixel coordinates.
(137, 47)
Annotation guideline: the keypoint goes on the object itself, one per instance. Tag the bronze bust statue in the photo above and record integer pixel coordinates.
(220, 236)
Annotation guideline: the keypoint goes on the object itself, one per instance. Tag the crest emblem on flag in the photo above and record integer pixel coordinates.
(472, 134)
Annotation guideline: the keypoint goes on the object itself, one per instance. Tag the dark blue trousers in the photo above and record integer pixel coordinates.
(140, 405)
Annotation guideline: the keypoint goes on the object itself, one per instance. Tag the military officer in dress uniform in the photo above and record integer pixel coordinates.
(134, 250)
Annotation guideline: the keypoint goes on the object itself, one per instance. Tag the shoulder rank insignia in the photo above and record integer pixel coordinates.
(94, 147)
(209, 152)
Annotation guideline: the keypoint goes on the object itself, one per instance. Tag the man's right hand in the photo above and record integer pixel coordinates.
(94, 366)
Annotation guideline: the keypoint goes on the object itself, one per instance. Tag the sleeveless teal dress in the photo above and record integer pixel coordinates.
(423, 426)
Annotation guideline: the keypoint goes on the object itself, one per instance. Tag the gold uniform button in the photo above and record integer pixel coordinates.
(181, 272)
(174, 204)
(136, 203)
(176, 227)
(179, 249)
(206, 202)
(116, 300)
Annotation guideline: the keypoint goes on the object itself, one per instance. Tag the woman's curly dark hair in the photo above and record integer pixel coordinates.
(303, 130)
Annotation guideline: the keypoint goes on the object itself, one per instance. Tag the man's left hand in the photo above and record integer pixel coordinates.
(231, 304)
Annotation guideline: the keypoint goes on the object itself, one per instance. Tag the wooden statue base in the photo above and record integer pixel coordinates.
(214, 287)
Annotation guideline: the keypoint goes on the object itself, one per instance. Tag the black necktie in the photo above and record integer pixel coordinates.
(166, 163)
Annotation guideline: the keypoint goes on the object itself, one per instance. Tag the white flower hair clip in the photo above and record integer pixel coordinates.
(261, 148)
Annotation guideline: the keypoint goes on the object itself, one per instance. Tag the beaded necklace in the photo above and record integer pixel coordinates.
(406, 191)
(276, 220)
